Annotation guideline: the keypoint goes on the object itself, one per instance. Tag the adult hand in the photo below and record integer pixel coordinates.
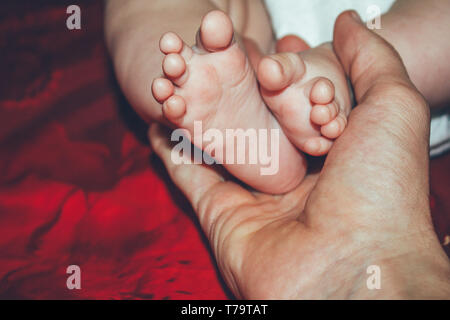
(368, 206)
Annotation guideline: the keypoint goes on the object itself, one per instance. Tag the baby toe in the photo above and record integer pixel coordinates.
(170, 42)
(280, 70)
(335, 128)
(317, 146)
(216, 31)
(270, 74)
(174, 108)
(162, 89)
(322, 92)
(323, 114)
(174, 67)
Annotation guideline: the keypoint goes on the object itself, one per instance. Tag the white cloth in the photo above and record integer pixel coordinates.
(440, 134)
(313, 21)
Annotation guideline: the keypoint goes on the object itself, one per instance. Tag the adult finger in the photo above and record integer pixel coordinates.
(380, 162)
(366, 57)
(380, 80)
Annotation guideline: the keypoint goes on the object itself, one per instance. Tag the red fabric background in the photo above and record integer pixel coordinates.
(78, 184)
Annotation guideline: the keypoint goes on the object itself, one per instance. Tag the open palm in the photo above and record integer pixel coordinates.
(368, 205)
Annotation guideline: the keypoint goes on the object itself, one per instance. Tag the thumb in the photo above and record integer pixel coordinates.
(380, 161)
(378, 75)
(366, 57)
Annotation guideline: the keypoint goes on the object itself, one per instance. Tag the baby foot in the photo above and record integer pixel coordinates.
(213, 82)
(309, 95)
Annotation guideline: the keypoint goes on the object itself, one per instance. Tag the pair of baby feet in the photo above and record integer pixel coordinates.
(302, 95)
